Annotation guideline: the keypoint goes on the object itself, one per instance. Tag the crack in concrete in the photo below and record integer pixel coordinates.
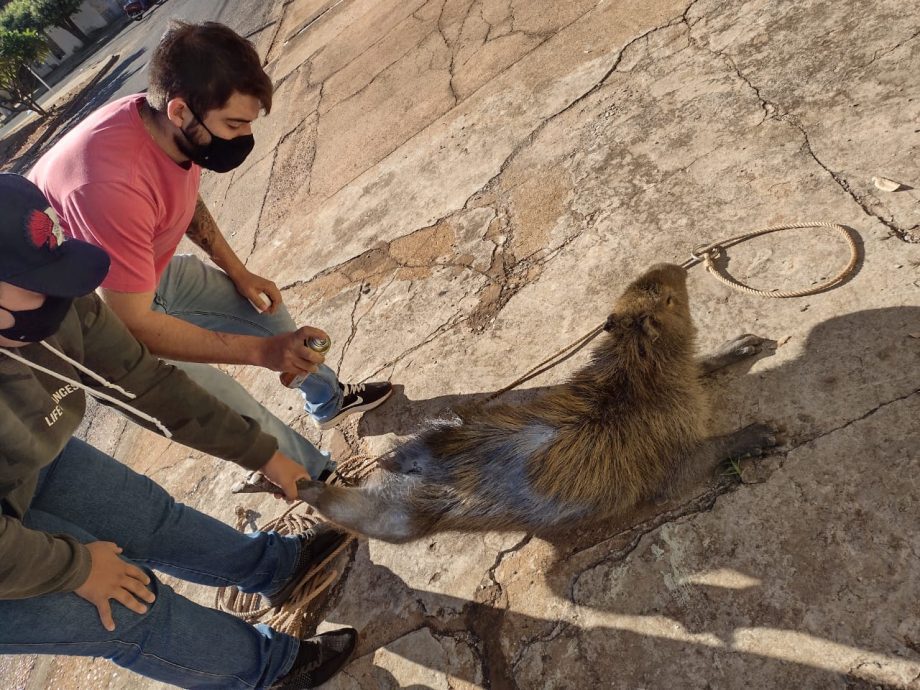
(703, 503)
(355, 322)
(767, 106)
(554, 632)
(383, 70)
(258, 228)
(358, 56)
(849, 423)
(274, 37)
(450, 50)
(491, 26)
(354, 328)
(878, 55)
(450, 324)
(598, 85)
(319, 115)
(776, 112)
(504, 553)
(425, 127)
(271, 175)
(903, 234)
(483, 618)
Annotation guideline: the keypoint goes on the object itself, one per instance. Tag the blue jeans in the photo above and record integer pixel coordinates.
(205, 296)
(93, 497)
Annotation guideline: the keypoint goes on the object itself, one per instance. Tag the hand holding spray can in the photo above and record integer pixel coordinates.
(320, 345)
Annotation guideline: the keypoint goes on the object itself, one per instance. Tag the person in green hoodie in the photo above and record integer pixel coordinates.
(79, 529)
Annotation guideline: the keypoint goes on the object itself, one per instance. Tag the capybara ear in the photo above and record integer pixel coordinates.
(620, 323)
(649, 326)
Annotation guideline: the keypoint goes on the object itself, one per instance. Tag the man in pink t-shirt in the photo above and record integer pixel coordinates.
(127, 178)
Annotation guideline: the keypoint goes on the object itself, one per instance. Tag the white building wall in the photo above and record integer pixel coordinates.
(93, 14)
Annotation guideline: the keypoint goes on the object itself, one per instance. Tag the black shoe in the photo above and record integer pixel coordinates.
(359, 397)
(317, 543)
(318, 659)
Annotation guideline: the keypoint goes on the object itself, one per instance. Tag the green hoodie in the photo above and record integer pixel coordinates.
(39, 414)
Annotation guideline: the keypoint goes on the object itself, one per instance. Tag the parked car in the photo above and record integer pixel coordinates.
(136, 8)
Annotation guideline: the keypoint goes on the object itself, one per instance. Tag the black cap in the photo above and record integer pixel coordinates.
(33, 252)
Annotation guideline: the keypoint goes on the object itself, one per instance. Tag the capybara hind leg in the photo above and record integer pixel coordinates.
(735, 350)
(752, 440)
(711, 453)
(361, 510)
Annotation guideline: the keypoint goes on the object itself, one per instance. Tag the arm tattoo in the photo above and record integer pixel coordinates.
(203, 229)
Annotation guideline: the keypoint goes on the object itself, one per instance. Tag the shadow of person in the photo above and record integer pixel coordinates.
(510, 649)
(848, 367)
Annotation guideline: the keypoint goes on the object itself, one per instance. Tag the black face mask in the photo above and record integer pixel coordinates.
(34, 325)
(220, 155)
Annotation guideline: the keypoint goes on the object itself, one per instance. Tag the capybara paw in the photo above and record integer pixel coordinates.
(746, 345)
(755, 439)
(309, 490)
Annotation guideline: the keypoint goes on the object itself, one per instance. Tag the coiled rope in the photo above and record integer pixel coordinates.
(710, 252)
(295, 616)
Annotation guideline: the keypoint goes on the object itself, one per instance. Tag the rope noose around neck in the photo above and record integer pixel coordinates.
(707, 254)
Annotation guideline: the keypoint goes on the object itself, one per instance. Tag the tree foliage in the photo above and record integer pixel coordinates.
(19, 15)
(19, 49)
(58, 13)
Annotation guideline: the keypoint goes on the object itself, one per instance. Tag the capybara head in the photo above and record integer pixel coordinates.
(654, 310)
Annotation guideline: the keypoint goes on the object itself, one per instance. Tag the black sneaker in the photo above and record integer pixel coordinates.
(317, 543)
(359, 397)
(318, 659)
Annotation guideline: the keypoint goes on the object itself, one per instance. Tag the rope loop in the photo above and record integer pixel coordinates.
(709, 253)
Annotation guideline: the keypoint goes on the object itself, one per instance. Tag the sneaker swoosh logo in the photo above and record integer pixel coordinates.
(359, 399)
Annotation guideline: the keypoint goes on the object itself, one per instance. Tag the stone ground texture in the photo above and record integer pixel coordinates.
(454, 189)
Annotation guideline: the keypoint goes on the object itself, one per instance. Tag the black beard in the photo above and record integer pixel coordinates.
(187, 146)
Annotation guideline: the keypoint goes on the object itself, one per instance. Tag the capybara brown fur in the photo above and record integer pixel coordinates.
(621, 431)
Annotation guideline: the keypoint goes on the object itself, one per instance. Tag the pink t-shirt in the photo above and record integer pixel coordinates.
(111, 185)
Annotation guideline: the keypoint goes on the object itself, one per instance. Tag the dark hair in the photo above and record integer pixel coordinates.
(204, 64)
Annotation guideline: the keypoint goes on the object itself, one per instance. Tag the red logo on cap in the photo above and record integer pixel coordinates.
(41, 230)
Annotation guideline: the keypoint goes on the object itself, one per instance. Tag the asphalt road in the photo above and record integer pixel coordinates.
(135, 43)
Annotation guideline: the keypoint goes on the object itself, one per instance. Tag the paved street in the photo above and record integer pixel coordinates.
(137, 40)
(455, 189)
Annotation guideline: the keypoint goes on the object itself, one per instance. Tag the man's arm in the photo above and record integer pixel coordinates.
(204, 232)
(194, 417)
(172, 338)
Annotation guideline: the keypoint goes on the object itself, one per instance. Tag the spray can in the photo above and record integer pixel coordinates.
(320, 345)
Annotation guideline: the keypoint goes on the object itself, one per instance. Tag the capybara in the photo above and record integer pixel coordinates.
(621, 431)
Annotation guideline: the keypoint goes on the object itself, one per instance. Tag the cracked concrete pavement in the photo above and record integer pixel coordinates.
(454, 189)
